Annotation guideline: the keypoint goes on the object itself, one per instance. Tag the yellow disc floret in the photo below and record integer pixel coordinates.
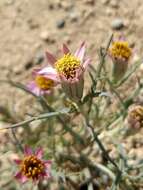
(32, 167)
(120, 49)
(68, 66)
(137, 114)
(44, 83)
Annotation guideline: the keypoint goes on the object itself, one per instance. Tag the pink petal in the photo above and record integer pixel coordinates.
(34, 88)
(51, 58)
(31, 85)
(80, 52)
(53, 77)
(47, 175)
(39, 153)
(65, 49)
(35, 71)
(20, 177)
(47, 162)
(86, 63)
(47, 70)
(50, 73)
(27, 150)
(17, 161)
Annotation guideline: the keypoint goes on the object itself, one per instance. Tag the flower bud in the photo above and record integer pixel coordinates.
(120, 53)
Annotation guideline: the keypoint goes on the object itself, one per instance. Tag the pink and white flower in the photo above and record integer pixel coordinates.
(70, 69)
(44, 81)
(32, 166)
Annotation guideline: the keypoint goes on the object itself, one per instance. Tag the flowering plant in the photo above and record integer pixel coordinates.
(85, 132)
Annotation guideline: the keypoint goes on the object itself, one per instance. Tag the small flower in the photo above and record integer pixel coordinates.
(32, 166)
(70, 69)
(43, 82)
(120, 53)
(135, 117)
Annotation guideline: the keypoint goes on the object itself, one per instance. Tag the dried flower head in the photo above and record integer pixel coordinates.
(70, 69)
(43, 82)
(120, 52)
(135, 116)
(32, 166)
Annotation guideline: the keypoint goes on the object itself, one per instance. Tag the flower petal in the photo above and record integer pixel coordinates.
(51, 58)
(33, 88)
(39, 153)
(86, 63)
(27, 150)
(47, 163)
(20, 177)
(65, 49)
(50, 73)
(80, 52)
(17, 161)
(47, 70)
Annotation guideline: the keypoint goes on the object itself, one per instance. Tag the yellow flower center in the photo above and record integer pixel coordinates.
(68, 66)
(121, 49)
(32, 167)
(44, 83)
(137, 114)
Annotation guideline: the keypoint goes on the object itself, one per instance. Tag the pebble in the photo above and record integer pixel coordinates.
(90, 2)
(9, 2)
(66, 5)
(105, 2)
(46, 36)
(74, 16)
(114, 4)
(117, 24)
(60, 23)
(39, 58)
(29, 64)
(32, 23)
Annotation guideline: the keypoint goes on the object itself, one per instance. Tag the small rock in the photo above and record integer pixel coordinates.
(109, 11)
(66, 5)
(32, 24)
(45, 36)
(39, 58)
(117, 24)
(9, 2)
(74, 16)
(29, 64)
(60, 23)
(105, 2)
(51, 6)
(90, 2)
(114, 4)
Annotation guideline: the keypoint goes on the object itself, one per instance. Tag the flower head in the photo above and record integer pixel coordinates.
(70, 69)
(32, 166)
(44, 81)
(135, 116)
(68, 66)
(120, 52)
